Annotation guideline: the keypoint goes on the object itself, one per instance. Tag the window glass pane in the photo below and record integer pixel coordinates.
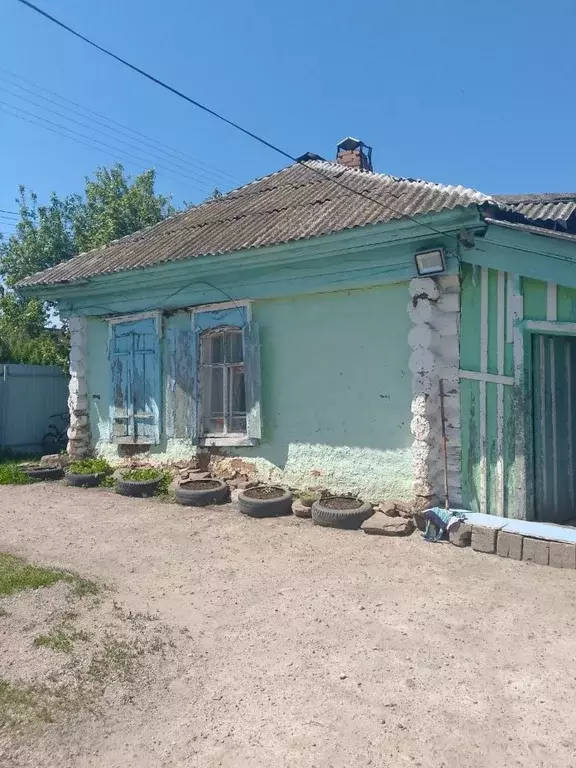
(238, 398)
(238, 424)
(213, 399)
(205, 349)
(234, 347)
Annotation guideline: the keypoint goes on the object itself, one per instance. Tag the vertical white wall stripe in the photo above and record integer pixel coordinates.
(501, 331)
(543, 361)
(552, 302)
(552, 345)
(516, 302)
(569, 416)
(483, 369)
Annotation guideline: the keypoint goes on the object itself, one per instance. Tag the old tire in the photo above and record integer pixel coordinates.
(84, 481)
(45, 473)
(281, 505)
(137, 488)
(200, 498)
(350, 519)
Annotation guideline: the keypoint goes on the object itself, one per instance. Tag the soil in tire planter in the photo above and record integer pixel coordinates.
(265, 501)
(200, 485)
(265, 492)
(200, 493)
(338, 512)
(341, 502)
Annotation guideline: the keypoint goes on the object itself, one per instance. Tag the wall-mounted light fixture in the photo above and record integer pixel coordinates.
(430, 262)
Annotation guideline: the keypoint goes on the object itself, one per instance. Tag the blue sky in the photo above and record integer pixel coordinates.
(450, 91)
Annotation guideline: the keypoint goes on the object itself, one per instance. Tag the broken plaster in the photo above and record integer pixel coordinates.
(434, 310)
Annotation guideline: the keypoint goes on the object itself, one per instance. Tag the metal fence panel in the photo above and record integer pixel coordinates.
(29, 395)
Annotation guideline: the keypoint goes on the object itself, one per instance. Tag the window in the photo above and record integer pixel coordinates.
(222, 390)
(226, 351)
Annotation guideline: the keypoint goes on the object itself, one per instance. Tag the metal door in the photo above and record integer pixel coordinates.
(554, 380)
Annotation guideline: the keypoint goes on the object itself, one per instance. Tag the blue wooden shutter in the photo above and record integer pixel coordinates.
(180, 383)
(121, 422)
(251, 337)
(135, 368)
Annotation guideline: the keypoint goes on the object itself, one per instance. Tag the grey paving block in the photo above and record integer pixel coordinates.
(460, 534)
(509, 545)
(536, 551)
(484, 539)
(562, 555)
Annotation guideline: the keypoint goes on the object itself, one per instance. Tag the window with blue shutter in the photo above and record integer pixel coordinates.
(135, 380)
(226, 350)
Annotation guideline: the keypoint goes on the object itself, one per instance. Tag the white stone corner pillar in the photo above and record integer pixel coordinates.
(79, 441)
(434, 310)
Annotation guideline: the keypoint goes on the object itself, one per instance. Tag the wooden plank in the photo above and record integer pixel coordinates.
(252, 380)
(490, 378)
(483, 369)
(501, 336)
(551, 302)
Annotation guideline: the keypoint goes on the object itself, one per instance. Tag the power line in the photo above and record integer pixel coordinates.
(116, 154)
(226, 120)
(10, 213)
(208, 171)
(205, 185)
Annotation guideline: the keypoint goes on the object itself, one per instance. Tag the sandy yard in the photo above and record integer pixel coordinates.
(259, 643)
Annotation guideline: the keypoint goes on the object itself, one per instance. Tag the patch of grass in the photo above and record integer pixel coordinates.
(11, 474)
(61, 639)
(90, 467)
(25, 705)
(16, 574)
(108, 482)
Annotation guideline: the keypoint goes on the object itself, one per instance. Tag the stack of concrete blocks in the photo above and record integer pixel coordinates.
(434, 310)
(490, 536)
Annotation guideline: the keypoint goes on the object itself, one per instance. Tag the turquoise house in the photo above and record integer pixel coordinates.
(302, 327)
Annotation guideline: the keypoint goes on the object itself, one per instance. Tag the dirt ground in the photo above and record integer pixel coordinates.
(292, 645)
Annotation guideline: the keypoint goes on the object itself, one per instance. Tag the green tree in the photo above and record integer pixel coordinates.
(111, 206)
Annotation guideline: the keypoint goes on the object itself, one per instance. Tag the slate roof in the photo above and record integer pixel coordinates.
(545, 206)
(296, 203)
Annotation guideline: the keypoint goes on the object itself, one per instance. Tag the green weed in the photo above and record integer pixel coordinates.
(61, 639)
(16, 574)
(90, 467)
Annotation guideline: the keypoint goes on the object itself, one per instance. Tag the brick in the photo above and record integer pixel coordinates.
(484, 539)
(536, 551)
(509, 545)
(562, 555)
(460, 534)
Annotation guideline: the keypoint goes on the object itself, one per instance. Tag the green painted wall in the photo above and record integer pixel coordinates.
(336, 392)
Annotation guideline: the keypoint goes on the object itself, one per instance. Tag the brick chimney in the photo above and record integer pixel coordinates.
(354, 154)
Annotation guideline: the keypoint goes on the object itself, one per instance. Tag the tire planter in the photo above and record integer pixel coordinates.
(192, 494)
(84, 481)
(138, 488)
(272, 507)
(44, 473)
(332, 517)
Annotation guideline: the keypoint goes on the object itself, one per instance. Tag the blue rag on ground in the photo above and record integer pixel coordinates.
(439, 521)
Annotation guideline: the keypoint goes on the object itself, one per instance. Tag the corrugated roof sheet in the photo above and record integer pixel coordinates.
(534, 230)
(296, 203)
(540, 207)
